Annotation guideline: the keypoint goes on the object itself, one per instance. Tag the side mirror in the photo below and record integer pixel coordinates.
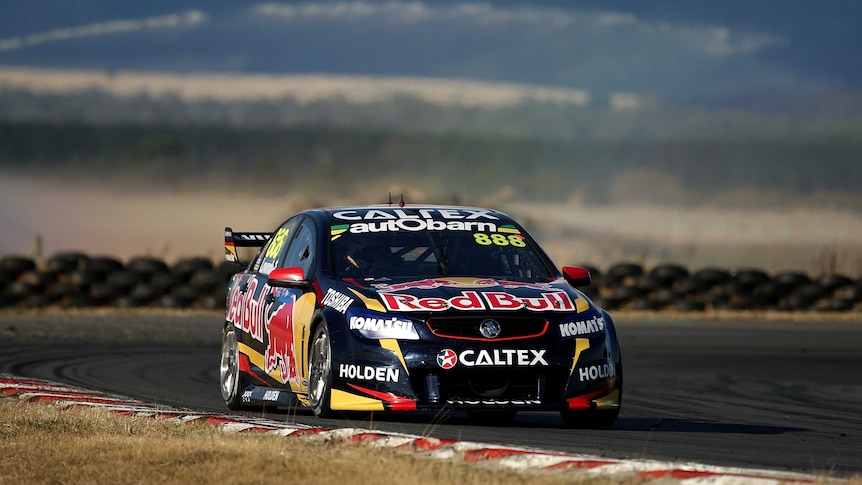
(576, 276)
(293, 277)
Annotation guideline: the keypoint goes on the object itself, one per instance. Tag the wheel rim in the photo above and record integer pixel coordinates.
(319, 371)
(229, 368)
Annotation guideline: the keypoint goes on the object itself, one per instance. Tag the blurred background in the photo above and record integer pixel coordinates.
(702, 133)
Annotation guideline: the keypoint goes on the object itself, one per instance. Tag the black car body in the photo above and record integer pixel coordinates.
(388, 308)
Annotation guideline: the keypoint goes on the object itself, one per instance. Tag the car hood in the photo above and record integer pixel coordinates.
(458, 294)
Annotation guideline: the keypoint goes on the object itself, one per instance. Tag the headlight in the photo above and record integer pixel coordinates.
(381, 326)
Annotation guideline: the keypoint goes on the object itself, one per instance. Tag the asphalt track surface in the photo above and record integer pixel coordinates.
(782, 395)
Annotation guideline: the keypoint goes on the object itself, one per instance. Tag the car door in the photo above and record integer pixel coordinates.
(288, 312)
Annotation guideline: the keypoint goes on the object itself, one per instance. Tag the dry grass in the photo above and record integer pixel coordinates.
(47, 444)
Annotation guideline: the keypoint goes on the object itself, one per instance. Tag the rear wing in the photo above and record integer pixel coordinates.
(233, 240)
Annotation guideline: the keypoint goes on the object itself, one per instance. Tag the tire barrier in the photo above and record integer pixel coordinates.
(75, 280)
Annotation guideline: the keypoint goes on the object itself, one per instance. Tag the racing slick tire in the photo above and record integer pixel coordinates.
(230, 377)
(320, 373)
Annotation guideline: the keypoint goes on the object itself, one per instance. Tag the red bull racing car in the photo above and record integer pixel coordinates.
(412, 308)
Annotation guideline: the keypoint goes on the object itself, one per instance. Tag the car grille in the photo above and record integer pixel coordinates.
(493, 384)
(468, 327)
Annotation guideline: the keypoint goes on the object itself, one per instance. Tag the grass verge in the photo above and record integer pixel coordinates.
(41, 443)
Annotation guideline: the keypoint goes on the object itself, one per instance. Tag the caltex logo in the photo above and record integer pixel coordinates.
(447, 358)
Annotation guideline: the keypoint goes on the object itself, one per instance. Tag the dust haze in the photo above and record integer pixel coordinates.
(172, 223)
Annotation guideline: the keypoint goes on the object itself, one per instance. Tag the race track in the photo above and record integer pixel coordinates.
(783, 395)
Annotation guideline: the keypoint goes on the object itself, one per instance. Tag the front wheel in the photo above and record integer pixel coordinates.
(320, 373)
(230, 377)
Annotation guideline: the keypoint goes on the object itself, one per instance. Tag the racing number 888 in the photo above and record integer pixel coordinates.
(499, 240)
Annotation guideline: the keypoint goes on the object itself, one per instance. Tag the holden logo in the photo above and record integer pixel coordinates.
(447, 358)
(489, 328)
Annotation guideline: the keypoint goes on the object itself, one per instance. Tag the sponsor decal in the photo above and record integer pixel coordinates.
(371, 327)
(277, 243)
(393, 220)
(447, 358)
(421, 225)
(279, 347)
(246, 396)
(584, 327)
(270, 396)
(336, 300)
(336, 232)
(593, 372)
(251, 237)
(430, 284)
(515, 240)
(495, 402)
(473, 300)
(244, 310)
(368, 373)
(275, 319)
(390, 214)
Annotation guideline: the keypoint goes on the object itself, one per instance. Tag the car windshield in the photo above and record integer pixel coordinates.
(428, 254)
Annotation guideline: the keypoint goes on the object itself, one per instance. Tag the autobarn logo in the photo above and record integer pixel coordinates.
(474, 300)
(415, 225)
(584, 327)
(381, 220)
(448, 358)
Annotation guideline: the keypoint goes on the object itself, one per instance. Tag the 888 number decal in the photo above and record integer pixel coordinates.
(499, 240)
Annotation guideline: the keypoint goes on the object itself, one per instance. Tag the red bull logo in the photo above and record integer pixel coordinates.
(279, 346)
(244, 310)
(472, 300)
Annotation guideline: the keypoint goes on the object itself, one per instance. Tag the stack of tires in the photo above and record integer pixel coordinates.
(75, 280)
(630, 286)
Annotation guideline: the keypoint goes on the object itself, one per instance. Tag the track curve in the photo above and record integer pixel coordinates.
(784, 395)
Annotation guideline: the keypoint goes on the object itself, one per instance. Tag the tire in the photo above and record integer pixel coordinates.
(625, 270)
(320, 373)
(712, 276)
(185, 268)
(752, 278)
(231, 379)
(66, 262)
(147, 265)
(104, 265)
(669, 272)
(15, 266)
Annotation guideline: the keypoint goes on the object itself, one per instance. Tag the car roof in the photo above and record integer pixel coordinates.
(327, 213)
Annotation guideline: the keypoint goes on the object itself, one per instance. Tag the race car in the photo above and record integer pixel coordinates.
(414, 308)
